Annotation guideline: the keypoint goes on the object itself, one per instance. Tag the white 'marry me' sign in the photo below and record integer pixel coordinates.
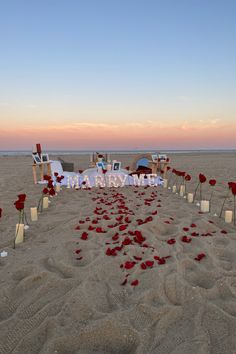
(113, 180)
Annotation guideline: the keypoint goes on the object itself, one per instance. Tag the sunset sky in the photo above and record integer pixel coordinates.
(117, 74)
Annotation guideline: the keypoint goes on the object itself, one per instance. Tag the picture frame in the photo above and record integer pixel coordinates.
(162, 157)
(37, 159)
(154, 157)
(116, 165)
(44, 158)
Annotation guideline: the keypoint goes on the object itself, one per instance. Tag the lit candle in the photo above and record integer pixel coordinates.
(190, 197)
(174, 189)
(34, 214)
(19, 233)
(182, 190)
(165, 185)
(68, 182)
(45, 202)
(228, 216)
(58, 187)
(204, 206)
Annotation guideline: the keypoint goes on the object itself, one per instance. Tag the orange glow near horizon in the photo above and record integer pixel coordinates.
(123, 136)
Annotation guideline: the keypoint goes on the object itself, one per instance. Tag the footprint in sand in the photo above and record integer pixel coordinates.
(103, 337)
(196, 276)
(59, 268)
(226, 259)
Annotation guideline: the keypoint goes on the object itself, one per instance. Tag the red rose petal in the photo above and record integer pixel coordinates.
(84, 236)
(186, 239)
(124, 282)
(135, 282)
(171, 241)
(129, 265)
(149, 263)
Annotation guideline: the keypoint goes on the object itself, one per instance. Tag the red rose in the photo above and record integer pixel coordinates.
(52, 192)
(19, 205)
(55, 174)
(202, 178)
(45, 191)
(0, 212)
(187, 178)
(46, 177)
(212, 182)
(22, 197)
(50, 184)
(233, 189)
(231, 184)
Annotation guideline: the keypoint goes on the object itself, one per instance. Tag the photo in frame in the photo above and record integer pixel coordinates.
(36, 158)
(154, 157)
(162, 157)
(116, 165)
(44, 158)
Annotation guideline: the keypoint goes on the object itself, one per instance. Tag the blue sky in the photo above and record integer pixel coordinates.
(99, 61)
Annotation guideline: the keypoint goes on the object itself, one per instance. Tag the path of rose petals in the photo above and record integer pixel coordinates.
(112, 208)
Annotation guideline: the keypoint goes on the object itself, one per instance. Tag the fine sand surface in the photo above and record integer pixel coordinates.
(62, 294)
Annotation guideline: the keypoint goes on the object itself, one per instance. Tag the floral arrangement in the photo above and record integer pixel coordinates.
(20, 207)
(202, 179)
(232, 189)
(49, 190)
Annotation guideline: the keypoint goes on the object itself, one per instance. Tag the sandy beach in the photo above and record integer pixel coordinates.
(65, 291)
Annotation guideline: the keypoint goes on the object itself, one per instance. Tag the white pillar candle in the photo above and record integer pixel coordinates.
(45, 202)
(228, 216)
(19, 233)
(34, 214)
(182, 190)
(204, 206)
(174, 189)
(190, 197)
(58, 187)
(165, 185)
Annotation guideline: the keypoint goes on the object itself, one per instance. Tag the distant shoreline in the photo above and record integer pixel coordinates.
(85, 152)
